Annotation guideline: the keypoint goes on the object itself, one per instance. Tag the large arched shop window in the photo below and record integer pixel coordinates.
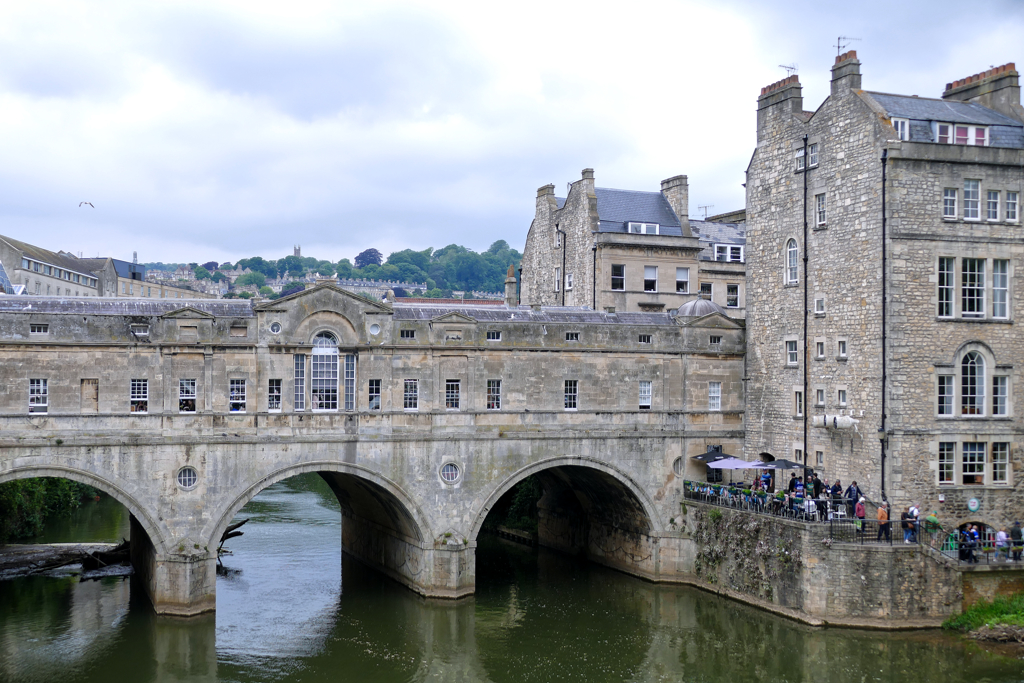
(972, 384)
(791, 259)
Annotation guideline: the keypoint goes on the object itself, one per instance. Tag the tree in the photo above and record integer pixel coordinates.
(344, 268)
(202, 273)
(365, 258)
(400, 292)
(325, 268)
(266, 291)
(210, 265)
(218, 277)
(293, 288)
(253, 278)
(259, 265)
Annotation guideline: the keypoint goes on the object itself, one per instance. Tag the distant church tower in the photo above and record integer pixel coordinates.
(298, 250)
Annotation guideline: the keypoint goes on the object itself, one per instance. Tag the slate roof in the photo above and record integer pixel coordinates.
(615, 208)
(552, 314)
(920, 111)
(50, 257)
(92, 305)
(709, 234)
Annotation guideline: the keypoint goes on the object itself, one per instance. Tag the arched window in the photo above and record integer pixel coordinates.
(972, 384)
(324, 372)
(791, 259)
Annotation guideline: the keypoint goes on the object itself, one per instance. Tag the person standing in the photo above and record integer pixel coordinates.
(1002, 545)
(932, 526)
(883, 523)
(852, 495)
(905, 524)
(1018, 541)
(860, 511)
(915, 523)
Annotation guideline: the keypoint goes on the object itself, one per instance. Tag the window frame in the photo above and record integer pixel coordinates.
(618, 281)
(1000, 289)
(792, 348)
(707, 291)
(973, 460)
(453, 395)
(946, 287)
(493, 335)
(572, 336)
(819, 350)
(349, 379)
(812, 155)
(685, 282)
(972, 199)
(1011, 207)
(644, 339)
(571, 394)
(715, 397)
(992, 205)
(820, 214)
(732, 296)
(636, 228)
(494, 394)
(373, 394)
(38, 396)
(299, 382)
(187, 389)
(236, 395)
(947, 463)
(972, 385)
(410, 394)
(645, 391)
(651, 284)
(1000, 395)
(792, 262)
(945, 394)
(325, 374)
(842, 396)
(138, 396)
(841, 348)
(407, 333)
(798, 403)
(902, 128)
(274, 395)
(1000, 458)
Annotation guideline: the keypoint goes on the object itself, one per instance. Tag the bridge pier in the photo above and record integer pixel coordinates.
(179, 584)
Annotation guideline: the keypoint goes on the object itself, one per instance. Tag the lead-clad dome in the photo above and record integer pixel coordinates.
(698, 308)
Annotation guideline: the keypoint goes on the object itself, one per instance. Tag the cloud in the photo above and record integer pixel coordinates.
(223, 130)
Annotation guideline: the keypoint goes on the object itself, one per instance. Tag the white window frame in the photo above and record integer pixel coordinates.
(947, 463)
(572, 336)
(819, 209)
(1012, 207)
(841, 348)
(801, 161)
(841, 396)
(236, 395)
(715, 396)
(902, 128)
(972, 384)
(39, 328)
(1000, 462)
(571, 394)
(618, 283)
(493, 335)
(645, 392)
(274, 392)
(792, 268)
(792, 352)
(972, 287)
(973, 457)
(350, 381)
(682, 283)
(299, 386)
(946, 287)
(1000, 395)
(138, 396)
(635, 228)
(972, 199)
(568, 281)
(732, 296)
(819, 349)
(819, 397)
(407, 334)
(38, 396)
(452, 394)
(324, 374)
(644, 339)
(373, 394)
(992, 205)
(411, 394)
(651, 283)
(187, 392)
(1000, 288)
(798, 403)
(950, 197)
(707, 290)
(812, 155)
(494, 394)
(945, 389)
(819, 306)
(558, 278)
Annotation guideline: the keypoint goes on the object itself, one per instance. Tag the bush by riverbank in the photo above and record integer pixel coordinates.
(25, 504)
(1001, 619)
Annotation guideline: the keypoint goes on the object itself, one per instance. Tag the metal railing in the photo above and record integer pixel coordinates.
(950, 544)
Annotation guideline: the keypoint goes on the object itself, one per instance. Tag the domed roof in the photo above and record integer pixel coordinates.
(698, 308)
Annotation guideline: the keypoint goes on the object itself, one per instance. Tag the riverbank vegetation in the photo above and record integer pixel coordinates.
(517, 509)
(25, 504)
(1007, 611)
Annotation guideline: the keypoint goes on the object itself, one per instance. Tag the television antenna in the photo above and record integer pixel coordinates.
(705, 207)
(790, 69)
(841, 45)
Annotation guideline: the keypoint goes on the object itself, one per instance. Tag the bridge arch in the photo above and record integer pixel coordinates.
(363, 493)
(156, 532)
(594, 473)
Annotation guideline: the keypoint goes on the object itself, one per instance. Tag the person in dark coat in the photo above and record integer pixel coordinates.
(853, 494)
(1017, 541)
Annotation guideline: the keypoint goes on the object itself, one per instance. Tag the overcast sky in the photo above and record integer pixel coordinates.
(220, 130)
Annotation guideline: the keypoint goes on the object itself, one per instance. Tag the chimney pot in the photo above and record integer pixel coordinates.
(588, 174)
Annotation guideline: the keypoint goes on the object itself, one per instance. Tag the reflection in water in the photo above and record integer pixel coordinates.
(537, 616)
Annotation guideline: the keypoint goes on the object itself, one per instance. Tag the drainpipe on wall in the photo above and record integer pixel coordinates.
(519, 286)
(882, 431)
(561, 285)
(594, 305)
(806, 400)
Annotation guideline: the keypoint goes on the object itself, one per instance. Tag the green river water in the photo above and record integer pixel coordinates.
(284, 614)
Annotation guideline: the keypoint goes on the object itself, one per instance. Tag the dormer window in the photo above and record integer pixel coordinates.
(643, 228)
(902, 127)
(728, 252)
(952, 134)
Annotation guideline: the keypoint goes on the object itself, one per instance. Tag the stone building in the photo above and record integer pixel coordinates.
(624, 250)
(129, 279)
(420, 417)
(37, 271)
(882, 243)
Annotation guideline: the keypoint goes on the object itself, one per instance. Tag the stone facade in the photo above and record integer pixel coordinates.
(817, 290)
(622, 250)
(124, 394)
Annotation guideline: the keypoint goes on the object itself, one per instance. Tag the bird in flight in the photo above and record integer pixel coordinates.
(81, 204)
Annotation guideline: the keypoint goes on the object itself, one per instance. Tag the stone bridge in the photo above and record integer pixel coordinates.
(419, 419)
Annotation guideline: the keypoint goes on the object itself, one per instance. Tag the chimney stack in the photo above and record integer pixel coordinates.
(846, 73)
(781, 98)
(997, 89)
(677, 192)
(510, 288)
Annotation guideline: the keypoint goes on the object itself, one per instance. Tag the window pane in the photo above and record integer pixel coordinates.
(945, 394)
(682, 280)
(494, 394)
(992, 206)
(324, 373)
(973, 466)
(300, 382)
(945, 287)
(791, 258)
(946, 455)
(1000, 459)
(972, 288)
(618, 277)
(411, 394)
(972, 192)
(1011, 206)
(350, 382)
(236, 395)
(571, 389)
(373, 394)
(1000, 287)
(645, 394)
(1000, 388)
(972, 385)
(451, 394)
(274, 394)
(961, 135)
(714, 395)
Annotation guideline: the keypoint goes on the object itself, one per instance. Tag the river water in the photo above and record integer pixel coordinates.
(284, 614)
